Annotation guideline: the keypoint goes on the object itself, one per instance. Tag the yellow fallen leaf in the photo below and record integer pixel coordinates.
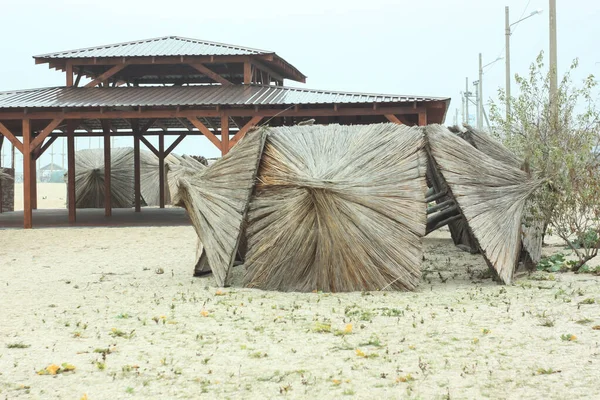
(204, 313)
(475, 340)
(348, 328)
(52, 369)
(219, 292)
(84, 397)
(337, 382)
(360, 353)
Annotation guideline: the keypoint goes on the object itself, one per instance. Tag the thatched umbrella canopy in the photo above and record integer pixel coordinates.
(490, 193)
(4, 177)
(338, 208)
(532, 226)
(217, 199)
(89, 178)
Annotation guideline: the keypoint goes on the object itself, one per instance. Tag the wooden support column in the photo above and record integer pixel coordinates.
(69, 74)
(136, 167)
(107, 172)
(33, 178)
(161, 171)
(393, 118)
(72, 201)
(224, 134)
(27, 209)
(247, 73)
(422, 118)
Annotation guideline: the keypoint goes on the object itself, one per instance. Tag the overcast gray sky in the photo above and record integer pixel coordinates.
(424, 47)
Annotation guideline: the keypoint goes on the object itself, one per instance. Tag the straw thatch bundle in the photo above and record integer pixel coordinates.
(217, 199)
(491, 195)
(532, 227)
(4, 177)
(338, 208)
(89, 178)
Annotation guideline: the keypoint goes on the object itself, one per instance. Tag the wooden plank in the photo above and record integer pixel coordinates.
(71, 125)
(242, 132)
(103, 77)
(149, 145)
(393, 118)
(224, 134)
(174, 144)
(247, 73)
(107, 172)
(45, 133)
(211, 74)
(191, 113)
(202, 128)
(8, 134)
(69, 74)
(422, 118)
(161, 171)
(45, 147)
(27, 209)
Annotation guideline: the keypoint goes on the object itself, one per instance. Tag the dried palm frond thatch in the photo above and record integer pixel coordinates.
(532, 226)
(89, 178)
(4, 177)
(491, 195)
(217, 198)
(338, 208)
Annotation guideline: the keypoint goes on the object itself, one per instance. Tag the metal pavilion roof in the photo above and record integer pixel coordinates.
(202, 95)
(158, 47)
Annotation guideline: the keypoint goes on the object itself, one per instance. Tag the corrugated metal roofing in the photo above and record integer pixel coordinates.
(206, 95)
(162, 46)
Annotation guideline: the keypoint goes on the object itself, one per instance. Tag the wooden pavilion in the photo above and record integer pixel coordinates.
(181, 87)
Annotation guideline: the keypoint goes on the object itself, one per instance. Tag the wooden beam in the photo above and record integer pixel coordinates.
(224, 134)
(107, 171)
(69, 74)
(161, 170)
(422, 118)
(174, 144)
(268, 70)
(209, 135)
(79, 74)
(27, 209)
(44, 134)
(242, 132)
(72, 201)
(8, 134)
(45, 147)
(393, 118)
(148, 125)
(211, 74)
(234, 112)
(34, 197)
(149, 146)
(103, 77)
(247, 73)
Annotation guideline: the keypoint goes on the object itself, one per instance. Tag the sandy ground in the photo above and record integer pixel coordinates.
(120, 306)
(50, 195)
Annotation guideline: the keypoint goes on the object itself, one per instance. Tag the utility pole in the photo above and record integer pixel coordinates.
(467, 100)
(480, 96)
(507, 56)
(553, 64)
(64, 139)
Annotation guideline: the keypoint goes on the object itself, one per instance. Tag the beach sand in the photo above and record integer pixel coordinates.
(122, 307)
